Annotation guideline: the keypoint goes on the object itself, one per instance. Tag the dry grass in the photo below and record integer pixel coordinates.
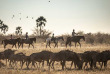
(40, 47)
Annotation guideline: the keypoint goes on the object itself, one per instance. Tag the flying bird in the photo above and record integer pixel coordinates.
(13, 16)
(27, 17)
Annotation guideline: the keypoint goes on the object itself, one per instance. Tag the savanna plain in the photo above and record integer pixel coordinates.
(58, 69)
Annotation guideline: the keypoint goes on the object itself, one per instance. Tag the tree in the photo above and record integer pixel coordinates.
(1, 24)
(40, 22)
(80, 33)
(18, 30)
(3, 27)
(90, 38)
(45, 33)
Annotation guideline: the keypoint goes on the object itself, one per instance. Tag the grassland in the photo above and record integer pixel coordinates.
(41, 46)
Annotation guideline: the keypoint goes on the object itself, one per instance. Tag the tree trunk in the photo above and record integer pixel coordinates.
(40, 30)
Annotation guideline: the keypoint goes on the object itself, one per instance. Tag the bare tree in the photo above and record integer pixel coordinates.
(80, 33)
(45, 33)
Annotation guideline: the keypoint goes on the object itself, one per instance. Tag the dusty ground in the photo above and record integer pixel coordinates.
(40, 47)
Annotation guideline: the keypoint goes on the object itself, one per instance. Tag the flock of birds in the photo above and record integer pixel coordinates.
(26, 16)
(20, 17)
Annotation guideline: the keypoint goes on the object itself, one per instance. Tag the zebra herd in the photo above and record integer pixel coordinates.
(85, 60)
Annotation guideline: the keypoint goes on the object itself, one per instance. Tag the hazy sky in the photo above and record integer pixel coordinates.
(62, 15)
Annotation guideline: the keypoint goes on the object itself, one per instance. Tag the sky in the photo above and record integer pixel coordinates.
(62, 15)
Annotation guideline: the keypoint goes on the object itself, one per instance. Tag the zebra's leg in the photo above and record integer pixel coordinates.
(47, 62)
(101, 64)
(42, 64)
(75, 64)
(15, 46)
(32, 45)
(10, 63)
(79, 44)
(53, 65)
(70, 44)
(29, 46)
(22, 63)
(5, 46)
(6, 62)
(75, 44)
(55, 45)
(22, 45)
(15, 62)
(49, 44)
(18, 45)
(85, 65)
(33, 64)
(27, 64)
(66, 44)
(12, 45)
(46, 45)
(50, 64)
(105, 64)
(63, 64)
(71, 64)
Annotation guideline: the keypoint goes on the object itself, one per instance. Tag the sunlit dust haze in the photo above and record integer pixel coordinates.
(62, 15)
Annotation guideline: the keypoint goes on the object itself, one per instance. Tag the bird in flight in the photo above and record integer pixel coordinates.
(13, 16)
(27, 17)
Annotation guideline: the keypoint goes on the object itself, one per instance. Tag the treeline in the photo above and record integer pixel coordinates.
(96, 38)
(100, 38)
(91, 38)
